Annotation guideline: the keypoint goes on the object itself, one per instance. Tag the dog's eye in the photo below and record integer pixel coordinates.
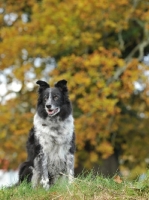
(55, 98)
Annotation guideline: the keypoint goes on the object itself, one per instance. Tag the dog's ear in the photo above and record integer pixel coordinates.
(62, 85)
(43, 85)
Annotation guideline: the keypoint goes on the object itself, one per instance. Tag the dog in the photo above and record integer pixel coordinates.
(51, 141)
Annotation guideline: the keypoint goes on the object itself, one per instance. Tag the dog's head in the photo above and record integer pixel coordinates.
(52, 99)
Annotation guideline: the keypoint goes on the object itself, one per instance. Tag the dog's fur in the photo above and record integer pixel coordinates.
(51, 141)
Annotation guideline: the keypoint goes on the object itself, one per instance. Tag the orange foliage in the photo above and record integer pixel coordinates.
(98, 47)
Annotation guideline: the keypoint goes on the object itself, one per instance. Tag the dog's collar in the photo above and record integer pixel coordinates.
(44, 125)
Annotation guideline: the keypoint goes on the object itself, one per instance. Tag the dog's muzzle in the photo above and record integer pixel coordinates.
(52, 112)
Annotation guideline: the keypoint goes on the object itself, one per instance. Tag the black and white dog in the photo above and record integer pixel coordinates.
(51, 141)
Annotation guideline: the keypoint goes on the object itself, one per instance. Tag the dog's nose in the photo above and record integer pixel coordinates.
(48, 106)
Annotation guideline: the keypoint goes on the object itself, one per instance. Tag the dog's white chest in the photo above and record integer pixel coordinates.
(54, 136)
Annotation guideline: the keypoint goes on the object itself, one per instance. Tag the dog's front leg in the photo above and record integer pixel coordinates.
(40, 172)
(36, 170)
(45, 178)
(70, 167)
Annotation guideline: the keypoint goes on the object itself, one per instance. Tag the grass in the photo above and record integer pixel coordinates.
(83, 188)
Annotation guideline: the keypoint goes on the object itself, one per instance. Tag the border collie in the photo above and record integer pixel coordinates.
(51, 141)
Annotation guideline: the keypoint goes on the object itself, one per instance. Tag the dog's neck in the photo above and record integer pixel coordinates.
(60, 131)
(51, 121)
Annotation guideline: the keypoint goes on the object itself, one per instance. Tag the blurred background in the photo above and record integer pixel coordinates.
(102, 49)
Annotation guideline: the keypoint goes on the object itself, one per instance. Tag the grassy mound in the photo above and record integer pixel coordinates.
(83, 188)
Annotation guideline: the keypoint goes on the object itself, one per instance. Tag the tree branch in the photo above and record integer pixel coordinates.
(140, 47)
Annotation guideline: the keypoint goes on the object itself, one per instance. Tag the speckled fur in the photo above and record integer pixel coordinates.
(51, 141)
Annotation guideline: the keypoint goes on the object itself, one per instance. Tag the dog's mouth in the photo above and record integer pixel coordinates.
(52, 112)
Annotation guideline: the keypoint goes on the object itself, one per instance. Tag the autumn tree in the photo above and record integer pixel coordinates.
(99, 48)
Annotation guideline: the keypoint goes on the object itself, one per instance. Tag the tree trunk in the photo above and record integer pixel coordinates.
(108, 167)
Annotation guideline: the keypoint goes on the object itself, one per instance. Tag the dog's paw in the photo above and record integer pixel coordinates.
(70, 179)
(45, 183)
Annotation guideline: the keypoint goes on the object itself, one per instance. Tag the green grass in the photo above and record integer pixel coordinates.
(83, 188)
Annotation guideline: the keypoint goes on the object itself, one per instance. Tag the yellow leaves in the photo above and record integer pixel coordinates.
(20, 131)
(82, 78)
(129, 76)
(9, 145)
(105, 148)
(93, 157)
(145, 15)
(97, 36)
(50, 29)
(23, 155)
(93, 60)
(88, 106)
(120, 62)
(7, 33)
(123, 2)
(101, 84)
(110, 23)
(3, 134)
(87, 38)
